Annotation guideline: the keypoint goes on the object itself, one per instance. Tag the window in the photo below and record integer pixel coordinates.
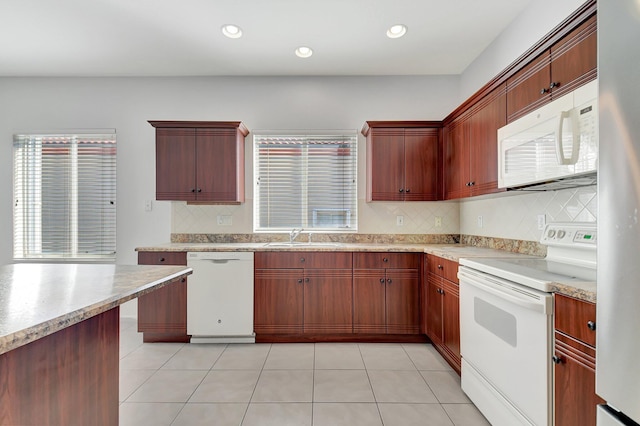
(305, 181)
(64, 197)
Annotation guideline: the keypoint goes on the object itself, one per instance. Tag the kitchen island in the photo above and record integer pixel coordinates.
(59, 339)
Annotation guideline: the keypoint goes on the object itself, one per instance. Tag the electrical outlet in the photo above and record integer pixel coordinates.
(438, 221)
(480, 222)
(542, 220)
(224, 220)
(399, 220)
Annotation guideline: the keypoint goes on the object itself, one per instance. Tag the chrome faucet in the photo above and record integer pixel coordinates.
(294, 234)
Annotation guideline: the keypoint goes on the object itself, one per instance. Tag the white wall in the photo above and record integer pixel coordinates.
(46, 104)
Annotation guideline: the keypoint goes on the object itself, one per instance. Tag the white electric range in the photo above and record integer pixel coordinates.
(506, 324)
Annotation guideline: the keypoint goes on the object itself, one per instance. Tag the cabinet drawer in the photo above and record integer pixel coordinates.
(303, 259)
(386, 260)
(445, 268)
(576, 318)
(162, 258)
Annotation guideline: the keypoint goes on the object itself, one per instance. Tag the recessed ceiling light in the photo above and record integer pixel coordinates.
(304, 52)
(231, 31)
(397, 31)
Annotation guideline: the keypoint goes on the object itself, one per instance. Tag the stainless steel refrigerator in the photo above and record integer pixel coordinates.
(618, 306)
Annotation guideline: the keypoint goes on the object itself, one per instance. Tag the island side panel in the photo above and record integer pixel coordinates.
(67, 378)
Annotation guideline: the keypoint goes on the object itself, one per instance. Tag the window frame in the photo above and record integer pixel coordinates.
(28, 189)
(350, 209)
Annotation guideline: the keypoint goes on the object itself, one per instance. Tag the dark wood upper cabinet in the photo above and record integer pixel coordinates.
(567, 64)
(200, 161)
(402, 160)
(471, 148)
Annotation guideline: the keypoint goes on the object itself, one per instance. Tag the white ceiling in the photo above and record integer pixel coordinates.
(183, 37)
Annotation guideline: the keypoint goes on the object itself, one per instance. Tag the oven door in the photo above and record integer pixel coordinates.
(505, 337)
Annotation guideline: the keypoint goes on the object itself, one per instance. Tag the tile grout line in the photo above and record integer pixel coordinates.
(375, 399)
(201, 381)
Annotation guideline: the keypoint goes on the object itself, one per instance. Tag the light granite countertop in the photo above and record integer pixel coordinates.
(448, 251)
(37, 300)
(584, 291)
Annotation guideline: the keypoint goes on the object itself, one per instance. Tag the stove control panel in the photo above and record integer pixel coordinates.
(570, 234)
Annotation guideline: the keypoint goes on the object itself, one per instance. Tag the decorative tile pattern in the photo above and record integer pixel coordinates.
(515, 216)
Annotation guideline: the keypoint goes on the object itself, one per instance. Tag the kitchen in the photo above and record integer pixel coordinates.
(300, 102)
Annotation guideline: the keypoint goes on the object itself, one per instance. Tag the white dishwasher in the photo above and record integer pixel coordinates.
(220, 297)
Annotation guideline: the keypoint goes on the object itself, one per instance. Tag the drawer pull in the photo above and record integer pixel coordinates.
(440, 267)
(381, 280)
(557, 359)
(299, 280)
(385, 259)
(162, 259)
(591, 325)
(389, 281)
(302, 260)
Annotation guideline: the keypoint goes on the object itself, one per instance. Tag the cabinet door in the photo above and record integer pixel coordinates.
(456, 161)
(217, 164)
(574, 59)
(421, 164)
(528, 89)
(175, 164)
(328, 301)
(402, 302)
(483, 142)
(369, 301)
(385, 165)
(278, 298)
(574, 383)
(434, 308)
(451, 319)
(162, 314)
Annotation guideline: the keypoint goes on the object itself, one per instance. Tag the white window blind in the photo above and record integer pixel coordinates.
(64, 197)
(305, 181)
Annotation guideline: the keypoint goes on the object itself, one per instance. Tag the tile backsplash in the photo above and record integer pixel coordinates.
(511, 216)
(374, 218)
(515, 215)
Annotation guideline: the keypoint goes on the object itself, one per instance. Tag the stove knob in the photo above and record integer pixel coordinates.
(561, 234)
(551, 233)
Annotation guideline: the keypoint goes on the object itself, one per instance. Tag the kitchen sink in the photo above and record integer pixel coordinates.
(302, 244)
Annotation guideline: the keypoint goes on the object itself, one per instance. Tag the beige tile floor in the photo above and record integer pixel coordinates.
(319, 384)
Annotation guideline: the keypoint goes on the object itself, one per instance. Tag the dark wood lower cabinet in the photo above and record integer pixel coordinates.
(278, 301)
(309, 296)
(328, 301)
(162, 314)
(67, 378)
(574, 359)
(575, 382)
(443, 318)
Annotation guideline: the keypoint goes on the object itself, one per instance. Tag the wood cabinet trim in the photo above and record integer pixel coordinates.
(239, 125)
(584, 12)
(368, 125)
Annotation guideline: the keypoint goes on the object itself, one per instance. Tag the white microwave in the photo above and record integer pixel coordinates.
(553, 147)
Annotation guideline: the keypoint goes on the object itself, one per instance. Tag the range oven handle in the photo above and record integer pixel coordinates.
(522, 298)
